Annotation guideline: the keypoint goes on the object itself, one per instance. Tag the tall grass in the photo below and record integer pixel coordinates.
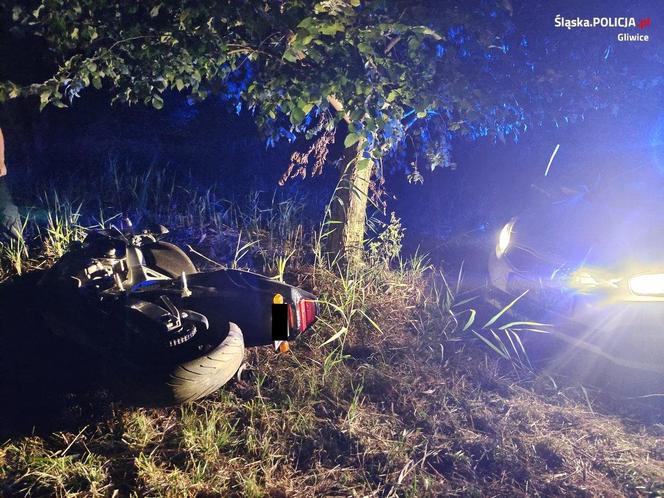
(347, 303)
(364, 407)
(62, 226)
(14, 251)
(269, 233)
(461, 314)
(58, 473)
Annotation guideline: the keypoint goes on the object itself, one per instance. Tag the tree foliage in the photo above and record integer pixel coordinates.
(395, 70)
(281, 59)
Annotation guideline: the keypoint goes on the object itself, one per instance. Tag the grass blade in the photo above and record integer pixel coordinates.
(503, 311)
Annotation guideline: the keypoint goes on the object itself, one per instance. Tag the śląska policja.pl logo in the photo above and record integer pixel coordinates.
(608, 22)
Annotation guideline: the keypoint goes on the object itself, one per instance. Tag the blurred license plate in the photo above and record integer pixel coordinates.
(280, 329)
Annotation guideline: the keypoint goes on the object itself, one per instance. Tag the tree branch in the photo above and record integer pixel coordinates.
(392, 43)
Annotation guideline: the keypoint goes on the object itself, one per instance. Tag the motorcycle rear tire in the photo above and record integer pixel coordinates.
(191, 380)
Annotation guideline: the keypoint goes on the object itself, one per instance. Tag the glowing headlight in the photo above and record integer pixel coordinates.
(504, 239)
(647, 285)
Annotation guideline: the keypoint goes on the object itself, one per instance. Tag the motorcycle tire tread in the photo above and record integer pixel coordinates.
(202, 376)
(195, 378)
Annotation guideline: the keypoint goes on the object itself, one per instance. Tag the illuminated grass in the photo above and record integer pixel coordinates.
(391, 393)
(14, 253)
(62, 227)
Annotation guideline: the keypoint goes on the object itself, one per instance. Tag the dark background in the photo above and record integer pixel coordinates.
(207, 144)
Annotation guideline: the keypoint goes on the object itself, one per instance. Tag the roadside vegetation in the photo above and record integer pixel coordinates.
(402, 388)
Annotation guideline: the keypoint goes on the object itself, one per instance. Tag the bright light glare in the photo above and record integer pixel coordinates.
(584, 279)
(504, 239)
(647, 285)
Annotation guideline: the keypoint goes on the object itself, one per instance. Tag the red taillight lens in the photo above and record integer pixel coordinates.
(307, 310)
(292, 317)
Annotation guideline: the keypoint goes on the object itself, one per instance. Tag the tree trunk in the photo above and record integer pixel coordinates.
(348, 209)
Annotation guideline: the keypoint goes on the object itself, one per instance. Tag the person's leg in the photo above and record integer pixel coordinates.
(9, 218)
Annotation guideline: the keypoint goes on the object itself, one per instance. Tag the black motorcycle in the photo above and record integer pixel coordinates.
(179, 333)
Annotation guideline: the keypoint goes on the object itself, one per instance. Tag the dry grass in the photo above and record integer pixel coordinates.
(398, 402)
(377, 418)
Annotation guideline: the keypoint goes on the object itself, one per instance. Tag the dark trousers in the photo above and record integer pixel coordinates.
(9, 218)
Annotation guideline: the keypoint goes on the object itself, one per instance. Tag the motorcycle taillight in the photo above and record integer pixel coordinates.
(307, 309)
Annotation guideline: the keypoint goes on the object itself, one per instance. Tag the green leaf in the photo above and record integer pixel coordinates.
(364, 48)
(364, 163)
(471, 320)
(44, 99)
(372, 322)
(351, 139)
(332, 29)
(290, 56)
(157, 102)
(14, 91)
(306, 108)
(336, 336)
(307, 23)
(430, 32)
(511, 325)
(495, 348)
(296, 115)
(503, 311)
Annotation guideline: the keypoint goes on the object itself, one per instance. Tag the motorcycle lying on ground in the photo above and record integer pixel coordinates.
(176, 333)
